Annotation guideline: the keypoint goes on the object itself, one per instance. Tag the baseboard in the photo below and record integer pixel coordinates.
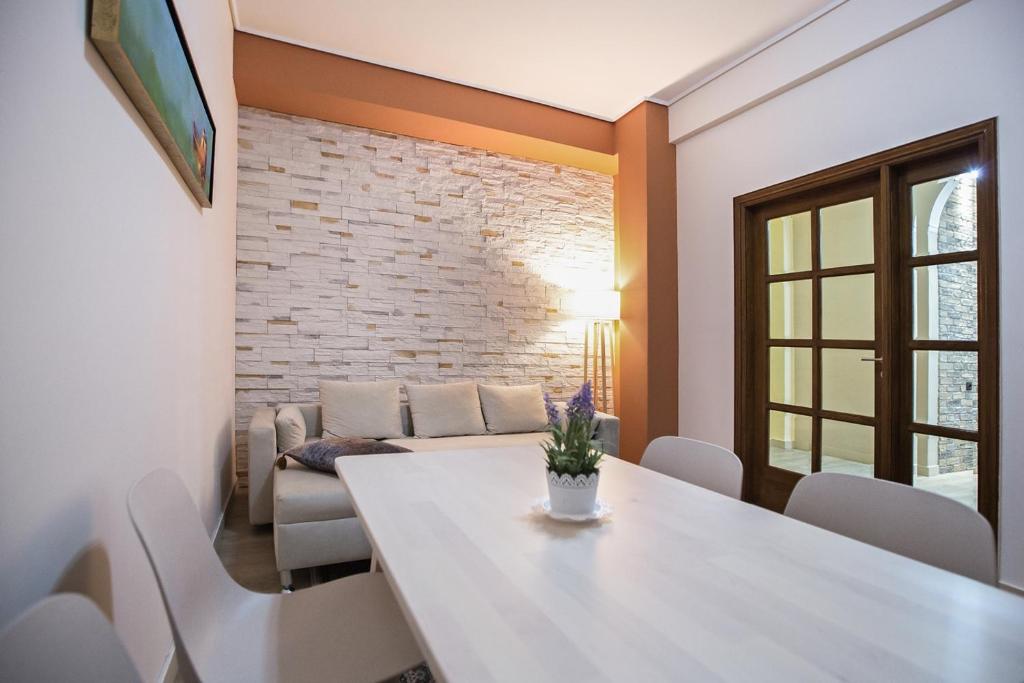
(169, 671)
(1012, 589)
(224, 511)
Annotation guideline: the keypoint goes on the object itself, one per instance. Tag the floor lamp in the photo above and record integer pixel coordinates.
(602, 311)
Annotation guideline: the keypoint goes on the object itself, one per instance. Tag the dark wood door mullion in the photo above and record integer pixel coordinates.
(816, 338)
(835, 271)
(864, 344)
(888, 440)
(988, 330)
(944, 432)
(941, 259)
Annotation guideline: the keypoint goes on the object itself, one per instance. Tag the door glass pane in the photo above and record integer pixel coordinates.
(847, 233)
(847, 448)
(789, 244)
(948, 467)
(789, 315)
(848, 307)
(789, 441)
(945, 215)
(790, 380)
(946, 388)
(847, 381)
(946, 301)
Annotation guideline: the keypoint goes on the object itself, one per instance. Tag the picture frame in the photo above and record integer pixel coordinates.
(143, 44)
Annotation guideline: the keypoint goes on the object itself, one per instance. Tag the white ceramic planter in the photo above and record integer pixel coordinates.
(572, 495)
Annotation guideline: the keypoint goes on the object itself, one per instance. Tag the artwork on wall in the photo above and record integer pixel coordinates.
(142, 42)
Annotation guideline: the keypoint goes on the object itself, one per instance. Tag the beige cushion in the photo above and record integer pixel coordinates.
(513, 409)
(305, 495)
(291, 428)
(475, 443)
(371, 410)
(445, 409)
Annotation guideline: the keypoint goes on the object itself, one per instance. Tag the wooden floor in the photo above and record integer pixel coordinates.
(248, 553)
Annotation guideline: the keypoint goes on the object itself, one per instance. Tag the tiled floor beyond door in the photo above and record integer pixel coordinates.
(960, 486)
(248, 552)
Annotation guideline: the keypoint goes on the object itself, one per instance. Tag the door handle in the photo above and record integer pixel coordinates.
(873, 360)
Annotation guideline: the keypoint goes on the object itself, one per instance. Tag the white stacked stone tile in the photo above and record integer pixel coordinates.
(364, 255)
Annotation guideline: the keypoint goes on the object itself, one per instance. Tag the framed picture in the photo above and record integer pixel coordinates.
(142, 42)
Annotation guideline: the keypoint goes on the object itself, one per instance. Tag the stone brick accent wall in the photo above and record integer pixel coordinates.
(958, 319)
(365, 255)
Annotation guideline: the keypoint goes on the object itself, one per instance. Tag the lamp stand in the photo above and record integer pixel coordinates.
(599, 344)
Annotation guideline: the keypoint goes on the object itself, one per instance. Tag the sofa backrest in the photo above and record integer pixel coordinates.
(314, 418)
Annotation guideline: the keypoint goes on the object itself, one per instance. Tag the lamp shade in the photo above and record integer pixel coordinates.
(596, 304)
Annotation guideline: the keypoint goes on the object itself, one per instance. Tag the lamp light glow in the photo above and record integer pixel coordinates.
(595, 304)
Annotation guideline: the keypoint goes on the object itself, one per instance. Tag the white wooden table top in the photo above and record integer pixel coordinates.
(680, 584)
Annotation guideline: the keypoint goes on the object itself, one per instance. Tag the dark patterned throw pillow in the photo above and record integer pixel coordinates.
(320, 455)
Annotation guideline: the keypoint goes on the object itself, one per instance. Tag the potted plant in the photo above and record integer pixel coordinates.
(572, 458)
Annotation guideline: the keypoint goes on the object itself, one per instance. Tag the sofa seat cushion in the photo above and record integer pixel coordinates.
(483, 441)
(305, 495)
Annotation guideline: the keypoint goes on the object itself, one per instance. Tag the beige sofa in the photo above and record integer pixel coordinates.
(314, 522)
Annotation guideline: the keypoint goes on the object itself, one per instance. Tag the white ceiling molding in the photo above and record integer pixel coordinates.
(677, 91)
(837, 35)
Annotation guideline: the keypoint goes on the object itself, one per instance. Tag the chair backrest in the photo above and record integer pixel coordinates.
(703, 464)
(64, 638)
(902, 519)
(196, 589)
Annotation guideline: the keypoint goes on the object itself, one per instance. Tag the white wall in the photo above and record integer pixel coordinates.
(961, 67)
(117, 296)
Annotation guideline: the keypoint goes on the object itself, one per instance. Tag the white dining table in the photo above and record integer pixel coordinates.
(679, 583)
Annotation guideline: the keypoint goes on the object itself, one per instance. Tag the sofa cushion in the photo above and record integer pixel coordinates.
(483, 441)
(513, 409)
(369, 410)
(305, 495)
(291, 428)
(445, 409)
(320, 454)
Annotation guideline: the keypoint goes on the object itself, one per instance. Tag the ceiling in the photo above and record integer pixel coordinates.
(597, 57)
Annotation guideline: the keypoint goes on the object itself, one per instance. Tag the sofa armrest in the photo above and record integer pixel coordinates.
(607, 432)
(262, 454)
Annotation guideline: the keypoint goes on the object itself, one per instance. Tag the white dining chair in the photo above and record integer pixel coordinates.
(346, 630)
(64, 638)
(905, 520)
(703, 464)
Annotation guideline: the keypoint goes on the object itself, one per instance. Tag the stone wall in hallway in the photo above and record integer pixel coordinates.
(366, 255)
(957, 304)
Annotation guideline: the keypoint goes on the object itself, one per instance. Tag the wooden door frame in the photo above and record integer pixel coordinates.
(978, 139)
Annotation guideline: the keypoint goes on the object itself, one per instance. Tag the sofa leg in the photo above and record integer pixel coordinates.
(286, 582)
(374, 565)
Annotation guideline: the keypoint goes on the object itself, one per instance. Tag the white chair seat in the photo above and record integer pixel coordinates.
(350, 629)
(346, 630)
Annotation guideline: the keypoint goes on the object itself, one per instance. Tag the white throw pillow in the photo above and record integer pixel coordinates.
(515, 409)
(445, 409)
(369, 410)
(291, 428)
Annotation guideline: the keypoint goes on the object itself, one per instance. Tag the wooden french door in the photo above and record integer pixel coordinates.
(866, 318)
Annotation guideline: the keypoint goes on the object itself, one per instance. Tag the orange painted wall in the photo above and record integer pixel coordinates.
(286, 78)
(645, 239)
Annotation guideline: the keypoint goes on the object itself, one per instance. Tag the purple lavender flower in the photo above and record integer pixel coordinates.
(581, 405)
(553, 417)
